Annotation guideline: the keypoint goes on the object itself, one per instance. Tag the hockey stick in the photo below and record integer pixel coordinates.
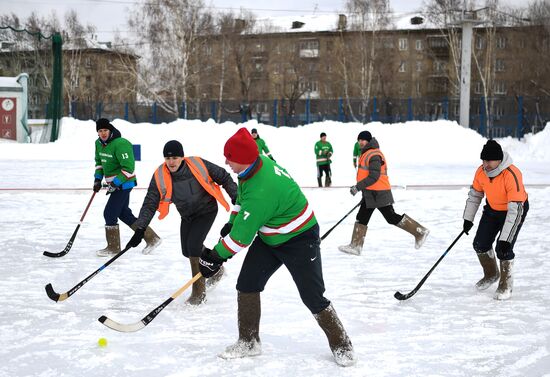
(63, 296)
(149, 317)
(338, 223)
(400, 296)
(70, 243)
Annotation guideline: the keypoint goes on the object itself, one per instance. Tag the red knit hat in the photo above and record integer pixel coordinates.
(241, 148)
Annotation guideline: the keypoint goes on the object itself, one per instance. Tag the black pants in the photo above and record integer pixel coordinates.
(325, 169)
(301, 256)
(490, 225)
(117, 208)
(193, 232)
(364, 214)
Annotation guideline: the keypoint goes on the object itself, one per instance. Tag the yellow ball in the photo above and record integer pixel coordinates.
(102, 342)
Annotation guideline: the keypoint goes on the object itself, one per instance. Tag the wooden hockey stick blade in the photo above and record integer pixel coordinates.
(54, 295)
(149, 317)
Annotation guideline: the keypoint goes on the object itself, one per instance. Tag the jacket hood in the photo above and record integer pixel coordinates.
(505, 163)
(115, 133)
(372, 144)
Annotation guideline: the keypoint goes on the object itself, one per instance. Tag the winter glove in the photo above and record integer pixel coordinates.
(226, 229)
(136, 238)
(112, 188)
(97, 185)
(503, 249)
(467, 226)
(353, 190)
(209, 263)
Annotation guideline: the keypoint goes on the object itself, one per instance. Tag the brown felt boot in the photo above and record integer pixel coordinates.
(152, 241)
(490, 270)
(249, 313)
(338, 340)
(506, 283)
(418, 231)
(112, 235)
(357, 239)
(198, 292)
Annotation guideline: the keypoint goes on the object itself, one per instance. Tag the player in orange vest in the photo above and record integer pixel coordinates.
(374, 184)
(505, 210)
(190, 183)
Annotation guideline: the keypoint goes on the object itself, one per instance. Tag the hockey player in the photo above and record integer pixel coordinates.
(114, 160)
(271, 204)
(323, 153)
(262, 146)
(356, 154)
(507, 205)
(374, 185)
(190, 183)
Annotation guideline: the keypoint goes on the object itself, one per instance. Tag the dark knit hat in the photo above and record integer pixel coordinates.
(253, 131)
(241, 148)
(492, 151)
(364, 135)
(103, 124)
(322, 134)
(173, 149)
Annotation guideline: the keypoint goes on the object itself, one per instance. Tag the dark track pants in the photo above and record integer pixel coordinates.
(193, 232)
(364, 214)
(490, 225)
(301, 256)
(117, 208)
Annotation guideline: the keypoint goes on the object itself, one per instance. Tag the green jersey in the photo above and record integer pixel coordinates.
(323, 152)
(356, 153)
(115, 161)
(269, 203)
(262, 146)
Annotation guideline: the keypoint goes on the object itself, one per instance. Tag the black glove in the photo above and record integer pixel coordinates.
(467, 226)
(503, 248)
(136, 238)
(271, 157)
(97, 185)
(112, 188)
(226, 229)
(209, 263)
(353, 190)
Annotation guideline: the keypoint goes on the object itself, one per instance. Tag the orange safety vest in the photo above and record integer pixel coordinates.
(502, 189)
(383, 183)
(163, 178)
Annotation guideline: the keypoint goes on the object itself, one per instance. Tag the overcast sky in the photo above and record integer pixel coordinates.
(109, 15)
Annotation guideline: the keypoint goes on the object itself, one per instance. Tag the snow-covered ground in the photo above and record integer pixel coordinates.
(446, 329)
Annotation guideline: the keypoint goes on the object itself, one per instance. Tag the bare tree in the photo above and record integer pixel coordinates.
(172, 31)
(359, 54)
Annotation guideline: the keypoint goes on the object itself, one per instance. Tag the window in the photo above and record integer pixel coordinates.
(208, 50)
(501, 43)
(403, 66)
(309, 48)
(480, 43)
(478, 88)
(402, 88)
(419, 45)
(418, 90)
(418, 65)
(88, 62)
(440, 66)
(88, 81)
(403, 44)
(329, 67)
(499, 65)
(500, 87)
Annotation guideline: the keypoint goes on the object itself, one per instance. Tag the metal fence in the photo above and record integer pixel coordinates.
(509, 116)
